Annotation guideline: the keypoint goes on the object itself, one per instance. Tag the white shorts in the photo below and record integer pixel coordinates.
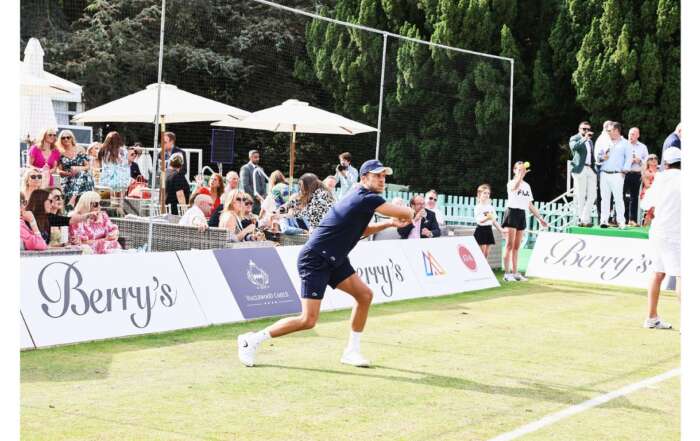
(665, 256)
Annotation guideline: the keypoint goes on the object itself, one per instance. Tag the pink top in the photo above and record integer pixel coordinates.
(39, 161)
(96, 230)
(31, 241)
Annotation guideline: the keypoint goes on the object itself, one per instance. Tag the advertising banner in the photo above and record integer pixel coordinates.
(448, 265)
(210, 286)
(66, 299)
(25, 341)
(258, 282)
(595, 259)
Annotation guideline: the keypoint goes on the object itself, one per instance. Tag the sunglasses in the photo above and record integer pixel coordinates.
(586, 128)
(94, 204)
(432, 199)
(35, 177)
(66, 137)
(51, 134)
(249, 203)
(240, 199)
(57, 198)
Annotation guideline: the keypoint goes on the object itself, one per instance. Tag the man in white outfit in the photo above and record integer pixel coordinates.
(665, 233)
(615, 161)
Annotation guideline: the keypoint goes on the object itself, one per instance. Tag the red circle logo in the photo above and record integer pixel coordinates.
(467, 258)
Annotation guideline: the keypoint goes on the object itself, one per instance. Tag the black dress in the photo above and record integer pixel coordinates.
(175, 182)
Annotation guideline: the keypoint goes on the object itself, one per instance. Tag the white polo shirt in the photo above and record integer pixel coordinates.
(665, 196)
(193, 217)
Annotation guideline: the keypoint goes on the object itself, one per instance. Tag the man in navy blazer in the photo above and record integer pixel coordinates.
(424, 224)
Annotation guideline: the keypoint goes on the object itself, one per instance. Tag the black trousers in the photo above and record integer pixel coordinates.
(633, 180)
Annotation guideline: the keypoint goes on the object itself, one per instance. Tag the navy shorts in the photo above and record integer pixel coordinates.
(316, 273)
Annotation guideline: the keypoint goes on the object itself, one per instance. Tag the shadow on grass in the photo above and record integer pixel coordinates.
(537, 390)
(92, 360)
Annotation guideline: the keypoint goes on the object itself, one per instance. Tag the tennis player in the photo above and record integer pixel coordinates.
(324, 261)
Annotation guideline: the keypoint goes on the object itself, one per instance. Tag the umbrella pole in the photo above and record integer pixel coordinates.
(292, 146)
(162, 167)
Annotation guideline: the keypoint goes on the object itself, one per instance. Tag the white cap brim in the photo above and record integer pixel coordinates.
(387, 170)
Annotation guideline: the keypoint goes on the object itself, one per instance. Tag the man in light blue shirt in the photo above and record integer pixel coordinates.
(615, 160)
(346, 174)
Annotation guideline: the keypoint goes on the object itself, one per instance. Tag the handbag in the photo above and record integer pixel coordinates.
(138, 189)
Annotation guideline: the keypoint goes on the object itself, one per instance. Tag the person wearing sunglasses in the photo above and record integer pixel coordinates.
(431, 198)
(45, 155)
(232, 215)
(31, 180)
(44, 210)
(29, 231)
(95, 231)
(74, 168)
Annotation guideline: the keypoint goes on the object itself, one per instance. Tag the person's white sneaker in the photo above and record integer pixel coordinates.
(508, 277)
(656, 323)
(354, 358)
(246, 349)
(519, 277)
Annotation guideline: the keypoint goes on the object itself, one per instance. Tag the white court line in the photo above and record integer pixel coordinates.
(593, 402)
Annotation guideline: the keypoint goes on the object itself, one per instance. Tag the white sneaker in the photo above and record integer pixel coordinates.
(519, 277)
(354, 358)
(656, 323)
(622, 226)
(246, 349)
(508, 277)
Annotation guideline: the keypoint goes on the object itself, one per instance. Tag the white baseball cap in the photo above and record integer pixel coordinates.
(672, 155)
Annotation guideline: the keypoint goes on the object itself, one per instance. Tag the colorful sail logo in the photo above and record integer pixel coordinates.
(431, 265)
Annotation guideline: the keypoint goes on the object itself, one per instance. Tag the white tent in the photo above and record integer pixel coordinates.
(176, 106)
(36, 109)
(297, 117)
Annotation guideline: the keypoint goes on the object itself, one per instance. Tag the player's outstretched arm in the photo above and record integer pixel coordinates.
(401, 217)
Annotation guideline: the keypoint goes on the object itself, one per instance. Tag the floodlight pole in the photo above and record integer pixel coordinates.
(381, 99)
(510, 124)
(158, 123)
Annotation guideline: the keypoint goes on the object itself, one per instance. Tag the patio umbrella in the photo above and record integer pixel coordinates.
(176, 106)
(297, 117)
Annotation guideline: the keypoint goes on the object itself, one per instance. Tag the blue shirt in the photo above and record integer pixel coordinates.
(619, 157)
(672, 140)
(347, 181)
(343, 225)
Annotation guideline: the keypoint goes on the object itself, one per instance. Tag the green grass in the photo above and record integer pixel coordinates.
(462, 367)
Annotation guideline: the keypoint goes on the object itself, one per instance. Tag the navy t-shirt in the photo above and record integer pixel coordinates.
(672, 140)
(343, 225)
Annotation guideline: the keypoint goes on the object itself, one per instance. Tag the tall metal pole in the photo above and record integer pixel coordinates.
(510, 125)
(381, 99)
(156, 123)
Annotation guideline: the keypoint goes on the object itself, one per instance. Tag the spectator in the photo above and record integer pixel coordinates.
(431, 198)
(171, 151)
(585, 178)
(330, 182)
(143, 160)
(485, 216)
(277, 194)
(97, 231)
(233, 213)
(615, 160)
(133, 157)
(57, 207)
(74, 169)
(28, 229)
(248, 219)
(424, 224)
(231, 183)
(45, 156)
(41, 206)
(254, 178)
(314, 200)
(633, 178)
(514, 222)
(93, 153)
(649, 171)
(31, 180)
(214, 190)
(673, 140)
(196, 215)
(665, 232)
(602, 142)
(113, 157)
(346, 174)
(177, 188)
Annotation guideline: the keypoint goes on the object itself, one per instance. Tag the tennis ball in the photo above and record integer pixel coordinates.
(526, 164)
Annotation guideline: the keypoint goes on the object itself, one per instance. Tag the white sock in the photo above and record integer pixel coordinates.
(261, 336)
(354, 341)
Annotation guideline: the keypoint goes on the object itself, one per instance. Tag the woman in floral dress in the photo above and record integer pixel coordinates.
(74, 169)
(97, 232)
